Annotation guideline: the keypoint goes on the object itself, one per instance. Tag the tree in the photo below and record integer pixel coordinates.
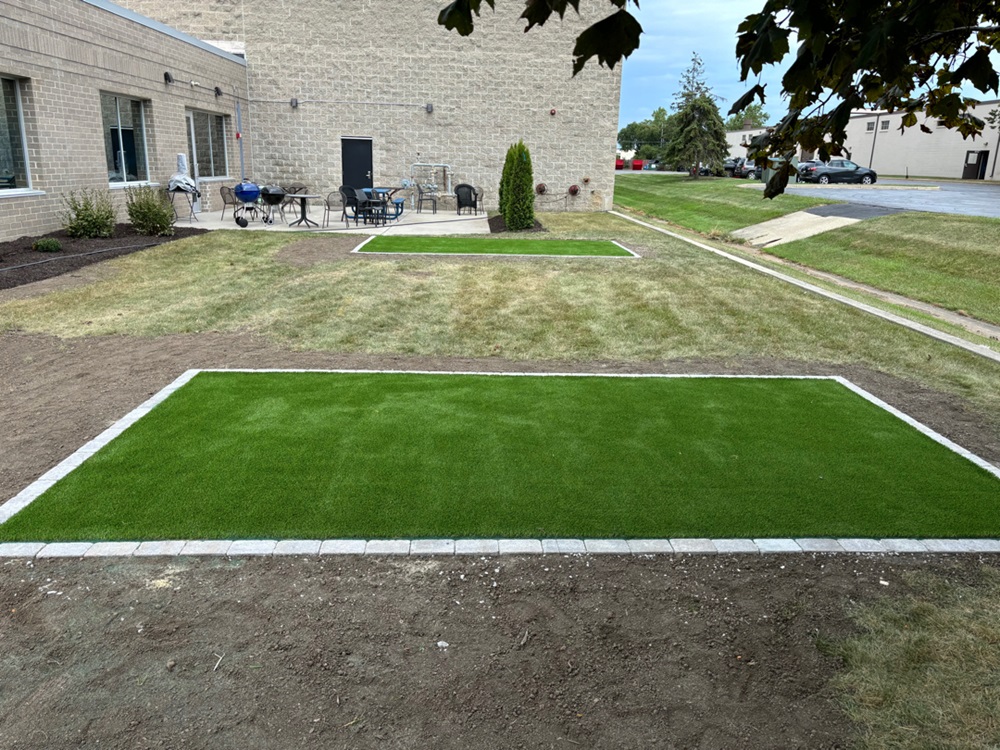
(910, 56)
(692, 84)
(517, 202)
(754, 114)
(700, 137)
(649, 138)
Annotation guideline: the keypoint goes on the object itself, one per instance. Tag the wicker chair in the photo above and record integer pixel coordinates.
(228, 199)
(466, 197)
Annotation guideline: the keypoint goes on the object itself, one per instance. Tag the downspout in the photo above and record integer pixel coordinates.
(996, 152)
(871, 159)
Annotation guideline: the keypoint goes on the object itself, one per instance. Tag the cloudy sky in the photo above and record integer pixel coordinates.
(672, 31)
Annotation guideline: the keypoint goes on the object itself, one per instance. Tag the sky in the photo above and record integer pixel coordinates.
(672, 31)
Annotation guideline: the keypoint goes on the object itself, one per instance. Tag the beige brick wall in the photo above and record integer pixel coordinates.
(65, 53)
(365, 68)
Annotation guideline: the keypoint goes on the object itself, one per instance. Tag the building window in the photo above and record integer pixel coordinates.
(124, 138)
(885, 124)
(870, 127)
(207, 144)
(13, 155)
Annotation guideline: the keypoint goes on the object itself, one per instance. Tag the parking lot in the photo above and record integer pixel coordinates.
(970, 199)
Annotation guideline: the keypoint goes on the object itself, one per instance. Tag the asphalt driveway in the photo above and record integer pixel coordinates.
(970, 199)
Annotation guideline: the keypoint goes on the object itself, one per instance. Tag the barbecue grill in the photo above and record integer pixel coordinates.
(271, 196)
(247, 193)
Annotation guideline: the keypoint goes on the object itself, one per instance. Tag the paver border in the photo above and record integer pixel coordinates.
(631, 253)
(449, 547)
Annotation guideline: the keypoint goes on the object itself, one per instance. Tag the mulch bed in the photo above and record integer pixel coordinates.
(19, 264)
(497, 225)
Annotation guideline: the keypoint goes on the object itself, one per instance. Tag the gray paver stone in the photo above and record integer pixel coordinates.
(432, 547)
(904, 545)
(477, 547)
(252, 547)
(520, 546)
(297, 547)
(563, 547)
(819, 544)
(112, 549)
(207, 547)
(343, 547)
(959, 545)
(650, 546)
(736, 545)
(388, 547)
(20, 549)
(159, 549)
(607, 547)
(693, 546)
(861, 545)
(65, 549)
(777, 545)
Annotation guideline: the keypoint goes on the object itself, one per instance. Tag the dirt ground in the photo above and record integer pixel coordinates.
(543, 652)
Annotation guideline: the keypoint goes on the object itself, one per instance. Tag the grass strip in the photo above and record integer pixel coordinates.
(320, 455)
(946, 260)
(486, 246)
(708, 204)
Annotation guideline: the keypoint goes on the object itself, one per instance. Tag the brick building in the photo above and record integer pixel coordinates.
(338, 92)
(87, 103)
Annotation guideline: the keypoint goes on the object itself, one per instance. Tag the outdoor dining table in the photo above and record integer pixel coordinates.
(385, 195)
(302, 198)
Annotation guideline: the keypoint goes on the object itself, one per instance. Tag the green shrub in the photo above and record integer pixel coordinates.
(149, 210)
(89, 213)
(519, 194)
(46, 245)
(504, 193)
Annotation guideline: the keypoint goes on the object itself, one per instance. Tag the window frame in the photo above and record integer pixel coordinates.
(118, 98)
(211, 142)
(22, 131)
(870, 126)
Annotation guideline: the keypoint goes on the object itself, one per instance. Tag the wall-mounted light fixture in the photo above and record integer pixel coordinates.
(218, 91)
(429, 107)
(168, 77)
(574, 189)
(295, 103)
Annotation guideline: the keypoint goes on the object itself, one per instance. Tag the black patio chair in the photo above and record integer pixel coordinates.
(466, 197)
(228, 199)
(426, 195)
(348, 200)
(369, 208)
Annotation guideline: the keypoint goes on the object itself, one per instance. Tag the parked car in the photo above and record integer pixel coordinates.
(836, 170)
(741, 167)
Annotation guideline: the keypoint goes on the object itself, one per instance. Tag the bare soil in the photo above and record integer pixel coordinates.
(542, 652)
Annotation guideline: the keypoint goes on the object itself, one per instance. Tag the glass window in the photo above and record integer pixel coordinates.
(871, 127)
(209, 146)
(13, 164)
(885, 124)
(124, 138)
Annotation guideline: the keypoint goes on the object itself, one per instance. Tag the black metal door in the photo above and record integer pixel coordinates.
(356, 156)
(975, 165)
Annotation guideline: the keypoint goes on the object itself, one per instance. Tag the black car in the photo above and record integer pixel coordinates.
(836, 170)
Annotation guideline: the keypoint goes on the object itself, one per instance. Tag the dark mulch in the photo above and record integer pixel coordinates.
(19, 264)
(497, 225)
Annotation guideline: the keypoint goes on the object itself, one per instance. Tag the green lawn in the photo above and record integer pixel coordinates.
(488, 246)
(707, 205)
(947, 260)
(359, 455)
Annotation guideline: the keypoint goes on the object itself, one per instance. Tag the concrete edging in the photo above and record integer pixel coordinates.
(490, 547)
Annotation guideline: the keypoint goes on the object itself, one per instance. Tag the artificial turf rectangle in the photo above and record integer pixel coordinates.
(489, 246)
(392, 455)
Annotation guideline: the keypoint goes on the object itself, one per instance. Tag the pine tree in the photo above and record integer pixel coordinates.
(701, 135)
(692, 84)
(519, 194)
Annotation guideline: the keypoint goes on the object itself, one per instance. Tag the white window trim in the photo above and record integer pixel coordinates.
(24, 138)
(225, 142)
(145, 141)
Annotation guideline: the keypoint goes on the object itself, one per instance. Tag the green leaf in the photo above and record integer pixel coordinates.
(609, 40)
(977, 70)
(537, 12)
(457, 16)
(744, 101)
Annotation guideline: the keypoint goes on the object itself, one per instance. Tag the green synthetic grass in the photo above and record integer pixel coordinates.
(708, 204)
(484, 246)
(321, 455)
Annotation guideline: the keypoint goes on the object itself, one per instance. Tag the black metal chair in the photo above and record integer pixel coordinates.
(369, 208)
(427, 195)
(228, 199)
(466, 196)
(348, 200)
